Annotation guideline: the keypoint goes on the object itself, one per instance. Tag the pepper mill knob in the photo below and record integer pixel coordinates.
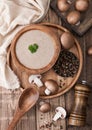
(78, 114)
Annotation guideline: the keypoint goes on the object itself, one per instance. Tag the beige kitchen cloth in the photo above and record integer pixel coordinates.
(14, 15)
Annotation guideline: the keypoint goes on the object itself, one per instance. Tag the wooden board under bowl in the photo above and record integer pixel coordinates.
(69, 82)
(86, 18)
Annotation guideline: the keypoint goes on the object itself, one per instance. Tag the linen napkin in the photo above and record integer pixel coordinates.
(14, 15)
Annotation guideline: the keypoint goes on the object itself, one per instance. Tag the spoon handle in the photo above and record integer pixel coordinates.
(15, 119)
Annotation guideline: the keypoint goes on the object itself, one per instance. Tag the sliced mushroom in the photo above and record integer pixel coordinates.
(73, 17)
(45, 107)
(51, 87)
(63, 5)
(36, 79)
(60, 113)
(67, 40)
(81, 5)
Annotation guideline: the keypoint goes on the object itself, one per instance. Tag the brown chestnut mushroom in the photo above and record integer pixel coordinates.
(73, 17)
(90, 50)
(45, 107)
(67, 40)
(51, 87)
(63, 5)
(81, 5)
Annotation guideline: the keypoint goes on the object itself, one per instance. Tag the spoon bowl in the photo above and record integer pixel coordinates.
(26, 101)
(28, 98)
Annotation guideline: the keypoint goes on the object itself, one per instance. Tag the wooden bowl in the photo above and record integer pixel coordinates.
(42, 58)
(23, 75)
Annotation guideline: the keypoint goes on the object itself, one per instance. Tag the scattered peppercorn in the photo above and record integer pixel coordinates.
(61, 127)
(48, 125)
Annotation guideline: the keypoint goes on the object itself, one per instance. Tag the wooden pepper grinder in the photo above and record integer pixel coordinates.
(78, 114)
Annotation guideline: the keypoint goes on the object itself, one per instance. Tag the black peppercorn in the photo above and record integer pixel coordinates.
(67, 64)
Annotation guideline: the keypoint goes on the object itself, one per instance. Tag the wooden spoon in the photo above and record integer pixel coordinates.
(26, 101)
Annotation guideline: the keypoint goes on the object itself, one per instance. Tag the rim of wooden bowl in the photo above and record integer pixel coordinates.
(80, 66)
(56, 43)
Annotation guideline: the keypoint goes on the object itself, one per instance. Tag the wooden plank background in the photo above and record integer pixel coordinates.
(34, 119)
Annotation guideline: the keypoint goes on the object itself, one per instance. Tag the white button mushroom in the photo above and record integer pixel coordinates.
(44, 107)
(51, 87)
(74, 18)
(67, 40)
(36, 79)
(60, 113)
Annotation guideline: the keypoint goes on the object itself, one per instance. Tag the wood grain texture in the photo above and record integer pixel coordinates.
(33, 119)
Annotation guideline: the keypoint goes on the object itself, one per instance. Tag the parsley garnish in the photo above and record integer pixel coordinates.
(33, 48)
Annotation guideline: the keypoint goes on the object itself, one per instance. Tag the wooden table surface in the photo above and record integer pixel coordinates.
(34, 119)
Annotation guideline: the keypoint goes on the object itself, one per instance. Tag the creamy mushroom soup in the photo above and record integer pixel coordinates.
(43, 55)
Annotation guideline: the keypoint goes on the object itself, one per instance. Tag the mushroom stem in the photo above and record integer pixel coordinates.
(47, 91)
(69, 1)
(41, 103)
(38, 82)
(57, 116)
(78, 23)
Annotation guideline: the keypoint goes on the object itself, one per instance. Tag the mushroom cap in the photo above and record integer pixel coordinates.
(90, 50)
(63, 5)
(45, 107)
(52, 86)
(62, 111)
(67, 40)
(32, 77)
(73, 17)
(81, 5)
